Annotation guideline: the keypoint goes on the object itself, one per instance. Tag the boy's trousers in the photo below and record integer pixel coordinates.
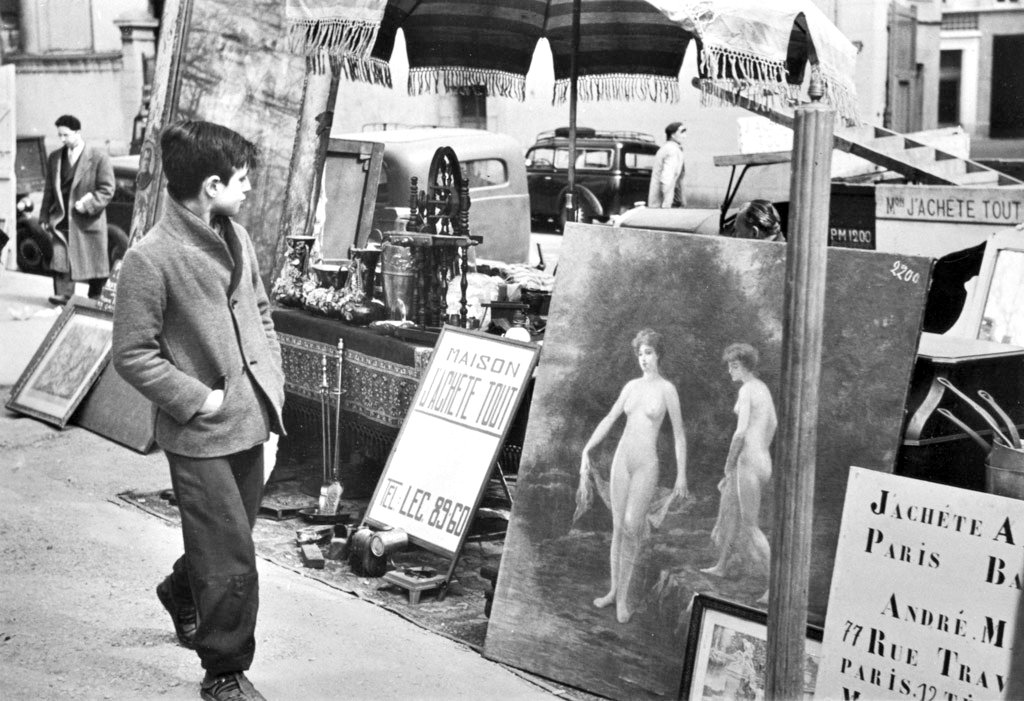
(218, 499)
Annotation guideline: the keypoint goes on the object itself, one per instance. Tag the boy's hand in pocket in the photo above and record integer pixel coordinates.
(213, 402)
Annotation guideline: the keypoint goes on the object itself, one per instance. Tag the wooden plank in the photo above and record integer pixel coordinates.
(758, 159)
(874, 144)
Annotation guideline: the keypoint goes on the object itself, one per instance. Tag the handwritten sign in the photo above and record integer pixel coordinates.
(974, 205)
(450, 438)
(924, 592)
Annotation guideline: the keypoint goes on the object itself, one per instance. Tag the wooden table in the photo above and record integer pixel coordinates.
(380, 375)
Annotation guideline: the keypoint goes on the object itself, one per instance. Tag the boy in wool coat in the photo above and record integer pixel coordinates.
(193, 333)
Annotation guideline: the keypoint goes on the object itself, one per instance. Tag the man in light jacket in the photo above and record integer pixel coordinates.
(79, 185)
(666, 189)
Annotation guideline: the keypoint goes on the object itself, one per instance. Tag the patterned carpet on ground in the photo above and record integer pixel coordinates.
(459, 616)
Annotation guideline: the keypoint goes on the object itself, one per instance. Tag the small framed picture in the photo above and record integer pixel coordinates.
(66, 364)
(726, 652)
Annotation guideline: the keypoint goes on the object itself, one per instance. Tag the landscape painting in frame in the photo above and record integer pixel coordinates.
(66, 364)
(556, 611)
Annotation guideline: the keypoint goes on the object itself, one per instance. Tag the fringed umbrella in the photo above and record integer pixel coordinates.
(601, 49)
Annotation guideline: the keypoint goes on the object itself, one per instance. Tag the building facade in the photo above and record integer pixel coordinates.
(980, 82)
(90, 58)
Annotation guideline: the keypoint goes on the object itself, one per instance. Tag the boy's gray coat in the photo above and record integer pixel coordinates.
(191, 316)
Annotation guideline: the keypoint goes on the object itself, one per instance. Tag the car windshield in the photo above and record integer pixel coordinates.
(29, 163)
(635, 160)
(592, 158)
(585, 158)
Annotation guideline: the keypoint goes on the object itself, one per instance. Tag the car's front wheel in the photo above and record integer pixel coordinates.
(35, 249)
(585, 211)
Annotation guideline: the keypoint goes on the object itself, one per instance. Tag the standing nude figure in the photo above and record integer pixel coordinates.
(748, 467)
(635, 470)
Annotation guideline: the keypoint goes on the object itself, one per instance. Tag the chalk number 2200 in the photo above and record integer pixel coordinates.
(901, 272)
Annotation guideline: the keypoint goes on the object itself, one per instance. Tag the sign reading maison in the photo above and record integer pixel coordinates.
(465, 404)
(925, 590)
(975, 205)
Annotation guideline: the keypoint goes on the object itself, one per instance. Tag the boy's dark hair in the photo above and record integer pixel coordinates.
(192, 151)
(70, 121)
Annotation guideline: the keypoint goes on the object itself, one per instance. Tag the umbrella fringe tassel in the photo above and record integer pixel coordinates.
(764, 82)
(624, 87)
(458, 79)
(374, 71)
(839, 93)
(338, 36)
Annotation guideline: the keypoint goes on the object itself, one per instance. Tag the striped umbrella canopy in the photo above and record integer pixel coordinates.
(623, 49)
(601, 49)
(453, 45)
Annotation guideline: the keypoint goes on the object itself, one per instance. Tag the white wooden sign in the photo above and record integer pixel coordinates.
(440, 464)
(1003, 206)
(924, 593)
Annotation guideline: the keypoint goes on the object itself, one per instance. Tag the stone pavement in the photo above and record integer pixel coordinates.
(78, 616)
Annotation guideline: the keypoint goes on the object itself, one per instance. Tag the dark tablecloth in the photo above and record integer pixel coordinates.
(380, 375)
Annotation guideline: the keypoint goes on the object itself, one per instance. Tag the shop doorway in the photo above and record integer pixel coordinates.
(1007, 110)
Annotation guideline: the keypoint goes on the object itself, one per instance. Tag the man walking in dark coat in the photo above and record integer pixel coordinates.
(79, 185)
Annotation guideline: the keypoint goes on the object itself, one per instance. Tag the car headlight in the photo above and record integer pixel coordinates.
(25, 205)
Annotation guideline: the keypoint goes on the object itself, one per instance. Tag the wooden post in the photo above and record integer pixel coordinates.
(305, 171)
(806, 263)
(571, 205)
(162, 107)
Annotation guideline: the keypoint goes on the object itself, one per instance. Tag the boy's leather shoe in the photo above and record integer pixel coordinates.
(184, 617)
(228, 686)
(58, 300)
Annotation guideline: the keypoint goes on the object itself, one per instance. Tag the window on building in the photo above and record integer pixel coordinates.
(10, 27)
(64, 27)
(473, 107)
(950, 68)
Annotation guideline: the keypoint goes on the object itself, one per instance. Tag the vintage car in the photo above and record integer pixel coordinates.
(492, 163)
(613, 174)
(34, 247)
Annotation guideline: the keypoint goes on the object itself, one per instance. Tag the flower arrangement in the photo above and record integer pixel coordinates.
(293, 283)
(291, 286)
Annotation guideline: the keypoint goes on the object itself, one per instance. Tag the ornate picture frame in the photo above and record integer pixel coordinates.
(726, 651)
(65, 365)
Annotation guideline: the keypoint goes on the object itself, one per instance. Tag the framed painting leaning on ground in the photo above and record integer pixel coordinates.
(647, 473)
(66, 364)
(726, 652)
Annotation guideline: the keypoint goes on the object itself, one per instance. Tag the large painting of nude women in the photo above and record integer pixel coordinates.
(647, 473)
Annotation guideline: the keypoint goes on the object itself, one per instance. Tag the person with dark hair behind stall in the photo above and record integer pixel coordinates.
(758, 219)
(193, 333)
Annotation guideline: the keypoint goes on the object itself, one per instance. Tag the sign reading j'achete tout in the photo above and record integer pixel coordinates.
(463, 408)
(1003, 206)
(925, 591)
